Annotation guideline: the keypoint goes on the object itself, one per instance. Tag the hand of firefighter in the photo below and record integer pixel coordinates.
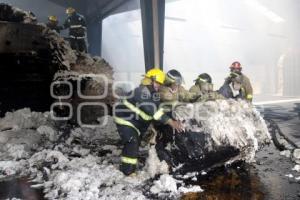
(176, 125)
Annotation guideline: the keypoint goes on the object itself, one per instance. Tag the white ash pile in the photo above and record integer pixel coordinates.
(22, 132)
(217, 132)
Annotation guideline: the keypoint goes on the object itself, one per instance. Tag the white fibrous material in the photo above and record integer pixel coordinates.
(228, 123)
(107, 132)
(296, 168)
(286, 153)
(63, 176)
(166, 183)
(49, 132)
(84, 178)
(296, 156)
(195, 188)
(289, 175)
(23, 119)
(89, 175)
(12, 168)
(16, 151)
(153, 165)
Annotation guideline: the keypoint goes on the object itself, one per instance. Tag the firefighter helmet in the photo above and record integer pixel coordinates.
(204, 78)
(70, 10)
(52, 18)
(174, 76)
(236, 66)
(156, 75)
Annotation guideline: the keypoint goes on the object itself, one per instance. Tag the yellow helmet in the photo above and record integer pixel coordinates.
(52, 18)
(156, 75)
(70, 10)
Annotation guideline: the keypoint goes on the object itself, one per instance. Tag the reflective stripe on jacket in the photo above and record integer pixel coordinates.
(140, 109)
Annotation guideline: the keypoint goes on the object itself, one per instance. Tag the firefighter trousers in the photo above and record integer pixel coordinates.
(131, 141)
(78, 44)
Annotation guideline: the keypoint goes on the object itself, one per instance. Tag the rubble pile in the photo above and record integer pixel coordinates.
(93, 74)
(83, 166)
(13, 14)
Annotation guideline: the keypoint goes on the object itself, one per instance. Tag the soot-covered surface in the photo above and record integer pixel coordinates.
(265, 180)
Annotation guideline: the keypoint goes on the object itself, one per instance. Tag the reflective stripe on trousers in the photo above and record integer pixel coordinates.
(128, 160)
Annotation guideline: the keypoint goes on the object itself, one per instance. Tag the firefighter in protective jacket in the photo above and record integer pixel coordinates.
(134, 114)
(204, 89)
(172, 91)
(53, 24)
(77, 30)
(236, 71)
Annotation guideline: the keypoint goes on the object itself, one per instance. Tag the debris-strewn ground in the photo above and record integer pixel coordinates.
(85, 164)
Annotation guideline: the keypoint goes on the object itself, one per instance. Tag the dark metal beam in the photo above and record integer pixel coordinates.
(94, 35)
(153, 18)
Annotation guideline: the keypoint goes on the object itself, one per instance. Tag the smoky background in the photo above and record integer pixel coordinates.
(207, 36)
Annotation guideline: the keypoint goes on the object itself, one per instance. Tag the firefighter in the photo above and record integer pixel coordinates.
(53, 24)
(134, 114)
(204, 89)
(77, 30)
(233, 89)
(236, 70)
(173, 91)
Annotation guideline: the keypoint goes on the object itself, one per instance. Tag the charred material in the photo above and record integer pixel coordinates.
(33, 56)
(190, 148)
(216, 133)
(12, 14)
(26, 67)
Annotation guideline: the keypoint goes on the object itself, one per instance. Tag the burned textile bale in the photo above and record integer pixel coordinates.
(36, 59)
(92, 80)
(217, 132)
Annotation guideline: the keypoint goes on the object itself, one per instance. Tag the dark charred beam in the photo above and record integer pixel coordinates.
(94, 33)
(153, 17)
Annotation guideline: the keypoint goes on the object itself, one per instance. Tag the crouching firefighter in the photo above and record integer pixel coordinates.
(53, 24)
(134, 114)
(77, 30)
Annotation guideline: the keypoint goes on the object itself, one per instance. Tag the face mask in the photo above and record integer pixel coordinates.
(237, 86)
(207, 87)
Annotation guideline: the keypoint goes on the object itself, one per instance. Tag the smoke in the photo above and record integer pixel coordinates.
(207, 36)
